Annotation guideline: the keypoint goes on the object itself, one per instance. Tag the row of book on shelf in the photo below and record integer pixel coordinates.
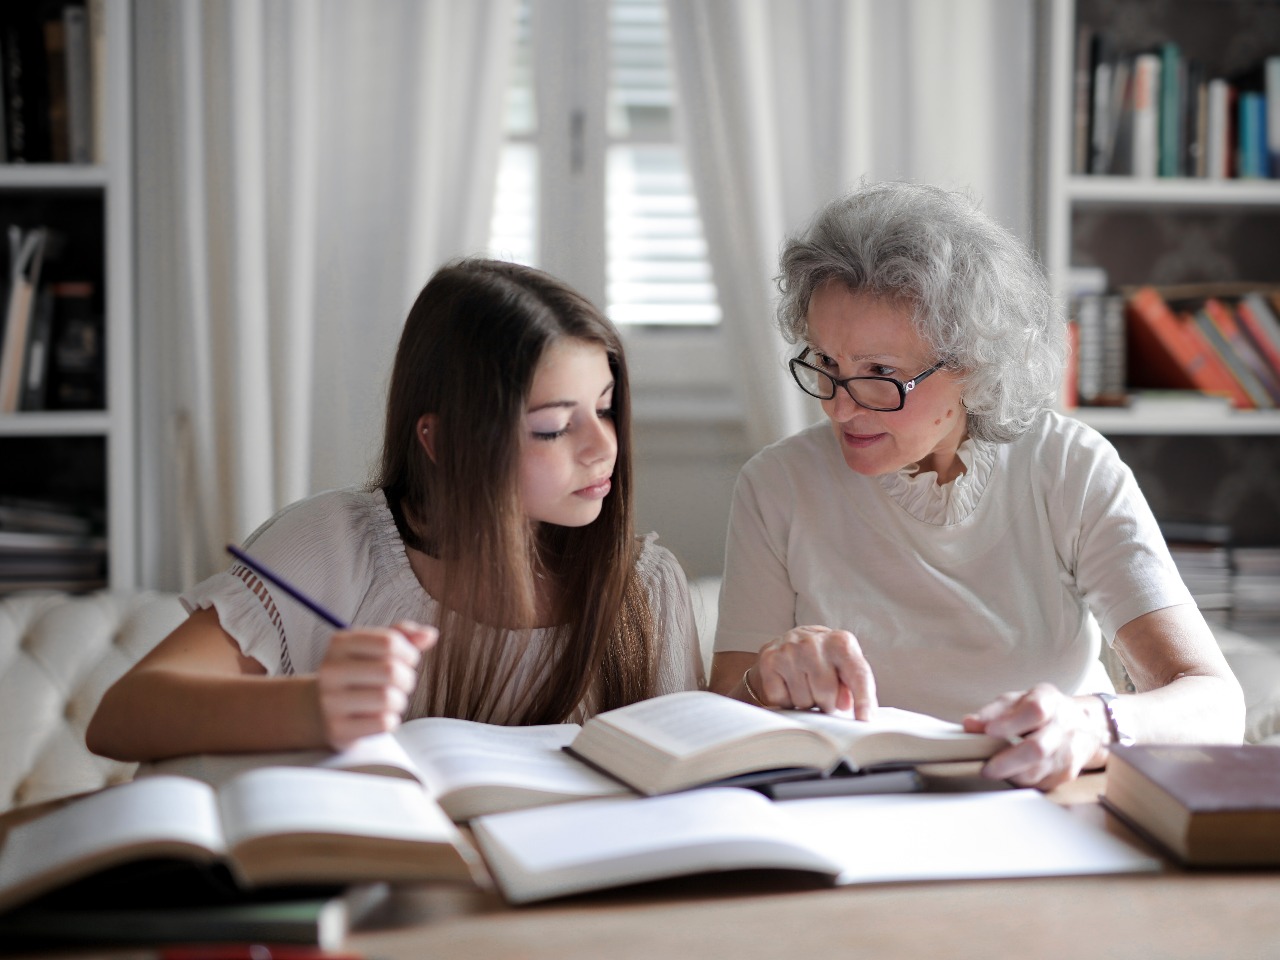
(653, 790)
(1158, 113)
(51, 330)
(51, 75)
(1220, 341)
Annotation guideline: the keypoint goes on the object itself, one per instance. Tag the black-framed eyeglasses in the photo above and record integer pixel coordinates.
(883, 394)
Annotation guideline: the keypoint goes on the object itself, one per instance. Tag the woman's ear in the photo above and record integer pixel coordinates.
(427, 427)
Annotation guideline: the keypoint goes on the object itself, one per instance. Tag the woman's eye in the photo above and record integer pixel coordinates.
(826, 362)
(880, 370)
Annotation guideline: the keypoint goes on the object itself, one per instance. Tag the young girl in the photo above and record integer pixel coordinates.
(492, 560)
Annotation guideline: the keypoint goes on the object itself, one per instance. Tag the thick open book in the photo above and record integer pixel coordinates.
(687, 739)
(271, 826)
(469, 768)
(557, 851)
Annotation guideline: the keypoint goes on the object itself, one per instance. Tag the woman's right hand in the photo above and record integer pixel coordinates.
(366, 678)
(814, 666)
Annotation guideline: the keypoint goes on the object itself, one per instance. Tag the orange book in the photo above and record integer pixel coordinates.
(1166, 351)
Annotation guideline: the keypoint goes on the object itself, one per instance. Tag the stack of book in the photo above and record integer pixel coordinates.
(1202, 554)
(1157, 113)
(52, 546)
(1256, 587)
(1222, 340)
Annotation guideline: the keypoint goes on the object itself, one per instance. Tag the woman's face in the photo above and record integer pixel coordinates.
(568, 445)
(855, 334)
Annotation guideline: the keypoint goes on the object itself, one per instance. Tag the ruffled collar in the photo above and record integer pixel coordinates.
(921, 496)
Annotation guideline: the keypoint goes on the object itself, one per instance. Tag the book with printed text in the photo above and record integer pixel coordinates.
(693, 738)
(266, 827)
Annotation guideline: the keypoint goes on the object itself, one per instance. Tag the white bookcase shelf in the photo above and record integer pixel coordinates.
(106, 434)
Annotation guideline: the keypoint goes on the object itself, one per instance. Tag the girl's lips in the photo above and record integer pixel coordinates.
(597, 490)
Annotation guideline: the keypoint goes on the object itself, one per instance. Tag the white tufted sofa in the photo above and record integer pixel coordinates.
(58, 654)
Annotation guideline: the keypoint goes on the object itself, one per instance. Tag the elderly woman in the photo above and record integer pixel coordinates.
(947, 542)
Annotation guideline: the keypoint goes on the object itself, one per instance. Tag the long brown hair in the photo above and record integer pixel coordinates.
(468, 353)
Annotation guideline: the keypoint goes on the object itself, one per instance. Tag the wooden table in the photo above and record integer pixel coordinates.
(1174, 914)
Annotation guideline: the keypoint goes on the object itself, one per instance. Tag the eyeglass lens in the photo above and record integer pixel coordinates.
(877, 394)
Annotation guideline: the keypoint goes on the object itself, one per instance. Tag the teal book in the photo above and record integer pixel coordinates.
(1253, 163)
(1171, 110)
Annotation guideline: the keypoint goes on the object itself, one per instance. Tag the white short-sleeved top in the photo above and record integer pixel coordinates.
(956, 593)
(342, 548)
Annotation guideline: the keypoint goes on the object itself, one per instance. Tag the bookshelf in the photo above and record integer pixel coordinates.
(77, 448)
(1159, 230)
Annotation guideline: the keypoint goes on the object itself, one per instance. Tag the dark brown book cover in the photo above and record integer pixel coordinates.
(1211, 805)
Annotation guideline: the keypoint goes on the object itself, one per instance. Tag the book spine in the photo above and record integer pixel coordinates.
(1080, 102)
(1262, 325)
(1252, 137)
(1146, 115)
(1254, 396)
(1102, 59)
(1223, 319)
(1271, 80)
(1168, 352)
(1219, 134)
(1170, 110)
(55, 67)
(79, 87)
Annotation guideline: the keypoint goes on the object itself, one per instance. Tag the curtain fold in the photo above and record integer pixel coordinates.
(303, 168)
(786, 105)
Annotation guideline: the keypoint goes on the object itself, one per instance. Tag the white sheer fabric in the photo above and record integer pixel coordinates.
(786, 105)
(306, 165)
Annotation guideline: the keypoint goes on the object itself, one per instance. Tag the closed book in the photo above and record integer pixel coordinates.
(1165, 351)
(1251, 148)
(1261, 323)
(1218, 139)
(79, 84)
(1224, 318)
(55, 69)
(1215, 805)
(1145, 146)
(1213, 335)
(26, 252)
(1271, 78)
(1170, 110)
(1082, 83)
(1102, 59)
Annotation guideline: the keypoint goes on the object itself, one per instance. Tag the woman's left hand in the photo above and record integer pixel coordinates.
(1055, 736)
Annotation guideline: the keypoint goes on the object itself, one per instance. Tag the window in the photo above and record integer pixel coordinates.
(594, 187)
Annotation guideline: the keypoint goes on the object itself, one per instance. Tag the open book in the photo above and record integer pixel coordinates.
(687, 739)
(558, 851)
(469, 768)
(269, 826)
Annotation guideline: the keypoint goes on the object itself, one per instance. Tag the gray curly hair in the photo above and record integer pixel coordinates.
(979, 296)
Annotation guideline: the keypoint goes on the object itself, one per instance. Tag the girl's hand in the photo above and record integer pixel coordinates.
(367, 677)
(814, 666)
(1056, 736)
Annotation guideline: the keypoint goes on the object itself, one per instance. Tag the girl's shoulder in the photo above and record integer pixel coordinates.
(334, 522)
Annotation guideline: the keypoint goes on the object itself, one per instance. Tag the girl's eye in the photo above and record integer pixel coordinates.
(555, 435)
(605, 414)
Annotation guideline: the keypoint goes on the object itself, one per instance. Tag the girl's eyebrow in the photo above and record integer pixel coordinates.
(566, 404)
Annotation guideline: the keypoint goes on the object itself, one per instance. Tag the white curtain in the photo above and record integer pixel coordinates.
(303, 167)
(788, 103)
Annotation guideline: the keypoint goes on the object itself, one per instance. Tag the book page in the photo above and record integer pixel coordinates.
(681, 724)
(595, 844)
(290, 800)
(460, 754)
(146, 817)
(1012, 833)
(896, 734)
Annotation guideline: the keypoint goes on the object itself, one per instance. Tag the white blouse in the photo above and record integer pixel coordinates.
(343, 549)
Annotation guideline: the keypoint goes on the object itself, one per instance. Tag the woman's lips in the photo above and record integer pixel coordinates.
(597, 490)
(862, 439)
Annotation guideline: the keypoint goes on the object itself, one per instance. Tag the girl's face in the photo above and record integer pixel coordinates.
(853, 335)
(569, 443)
